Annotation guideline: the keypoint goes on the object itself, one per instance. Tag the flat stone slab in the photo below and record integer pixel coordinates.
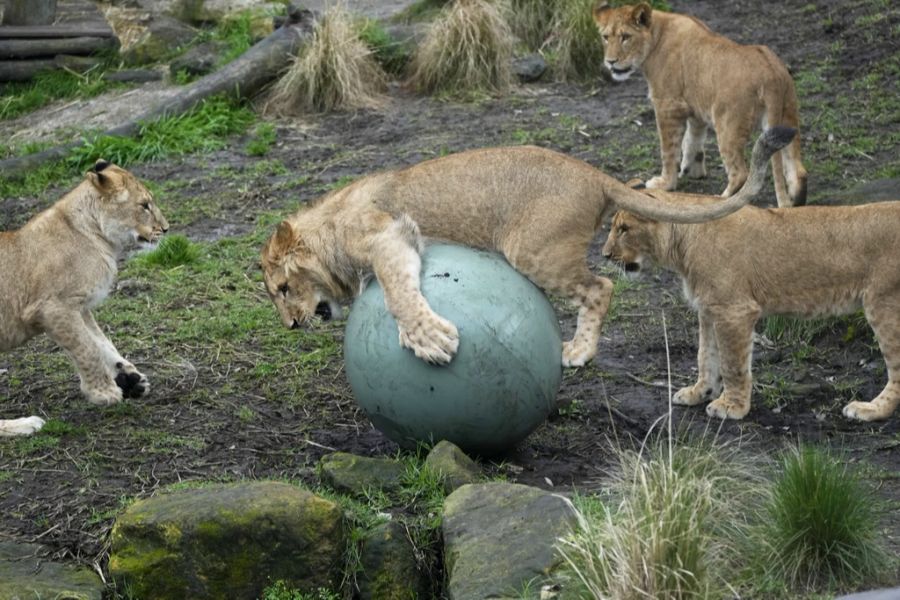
(26, 574)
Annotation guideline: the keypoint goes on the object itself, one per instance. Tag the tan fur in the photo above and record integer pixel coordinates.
(734, 272)
(700, 80)
(539, 208)
(61, 264)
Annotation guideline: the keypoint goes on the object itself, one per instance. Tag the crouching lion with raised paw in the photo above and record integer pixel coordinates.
(61, 264)
(811, 261)
(539, 208)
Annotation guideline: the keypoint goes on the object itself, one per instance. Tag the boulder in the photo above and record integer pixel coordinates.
(161, 38)
(351, 474)
(447, 460)
(216, 11)
(529, 68)
(879, 190)
(25, 573)
(227, 541)
(389, 567)
(500, 538)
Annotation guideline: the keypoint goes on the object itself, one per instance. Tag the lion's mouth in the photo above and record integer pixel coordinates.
(621, 74)
(632, 267)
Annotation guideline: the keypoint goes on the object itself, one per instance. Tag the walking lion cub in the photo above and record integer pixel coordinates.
(62, 264)
(735, 271)
(700, 80)
(539, 208)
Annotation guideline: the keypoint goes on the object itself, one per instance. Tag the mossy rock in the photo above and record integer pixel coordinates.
(26, 574)
(351, 474)
(389, 568)
(227, 541)
(451, 463)
(500, 538)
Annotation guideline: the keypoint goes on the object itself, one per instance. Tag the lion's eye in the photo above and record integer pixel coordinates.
(283, 289)
(146, 205)
(623, 229)
(605, 37)
(626, 37)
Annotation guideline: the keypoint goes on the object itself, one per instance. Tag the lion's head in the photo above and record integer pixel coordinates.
(297, 281)
(626, 35)
(630, 241)
(127, 213)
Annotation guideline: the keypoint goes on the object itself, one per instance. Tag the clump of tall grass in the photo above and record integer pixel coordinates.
(819, 529)
(577, 47)
(532, 20)
(676, 531)
(468, 47)
(336, 71)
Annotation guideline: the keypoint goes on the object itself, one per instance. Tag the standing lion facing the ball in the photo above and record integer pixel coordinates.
(540, 209)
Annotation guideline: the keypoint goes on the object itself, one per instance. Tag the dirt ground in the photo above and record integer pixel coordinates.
(799, 389)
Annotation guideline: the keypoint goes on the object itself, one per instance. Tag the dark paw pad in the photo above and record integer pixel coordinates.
(131, 384)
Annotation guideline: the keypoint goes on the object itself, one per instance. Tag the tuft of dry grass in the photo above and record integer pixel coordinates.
(336, 71)
(531, 20)
(468, 47)
(675, 530)
(578, 48)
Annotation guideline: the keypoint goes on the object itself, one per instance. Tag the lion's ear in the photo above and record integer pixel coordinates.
(97, 178)
(600, 8)
(642, 14)
(284, 238)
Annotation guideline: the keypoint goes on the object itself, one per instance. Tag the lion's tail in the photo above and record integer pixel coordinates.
(670, 209)
(787, 167)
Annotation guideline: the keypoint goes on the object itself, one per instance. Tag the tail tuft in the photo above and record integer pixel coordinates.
(778, 137)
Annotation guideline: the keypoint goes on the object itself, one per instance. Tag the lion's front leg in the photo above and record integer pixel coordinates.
(133, 383)
(734, 338)
(671, 122)
(709, 382)
(67, 328)
(397, 265)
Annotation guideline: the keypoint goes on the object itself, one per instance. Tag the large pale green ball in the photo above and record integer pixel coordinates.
(503, 380)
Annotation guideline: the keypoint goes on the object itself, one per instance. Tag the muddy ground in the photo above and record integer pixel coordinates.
(800, 386)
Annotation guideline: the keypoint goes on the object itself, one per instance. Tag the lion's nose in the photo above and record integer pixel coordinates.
(323, 309)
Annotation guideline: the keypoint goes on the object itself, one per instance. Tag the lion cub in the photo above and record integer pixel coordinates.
(847, 259)
(700, 80)
(62, 264)
(539, 208)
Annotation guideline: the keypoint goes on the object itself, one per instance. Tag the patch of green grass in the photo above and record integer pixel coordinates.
(20, 98)
(173, 251)
(57, 428)
(421, 10)
(281, 591)
(202, 129)
(820, 529)
(263, 138)
(392, 54)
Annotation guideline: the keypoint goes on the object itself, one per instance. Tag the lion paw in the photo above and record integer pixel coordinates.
(687, 396)
(866, 411)
(434, 339)
(576, 354)
(103, 396)
(725, 408)
(659, 183)
(132, 382)
(695, 170)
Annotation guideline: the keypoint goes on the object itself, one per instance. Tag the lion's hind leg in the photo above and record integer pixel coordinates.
(709, 381)
(734, 337)
(23, 426)
(885, 322)
(562, 269)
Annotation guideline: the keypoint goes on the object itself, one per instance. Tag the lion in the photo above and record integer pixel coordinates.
(61, 264)
(539, 208)
(847, 260)
(700, 80)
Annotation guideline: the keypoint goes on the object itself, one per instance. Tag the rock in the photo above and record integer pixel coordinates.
(351, 474)
(879, 190)
(25, 573)
(529, 68)
(389, 567)
(199, 60)
(891, 594)
(158, 41)
(133, 76)
(227, 541)
(452, 464)
(500, 537)
(216, 11)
